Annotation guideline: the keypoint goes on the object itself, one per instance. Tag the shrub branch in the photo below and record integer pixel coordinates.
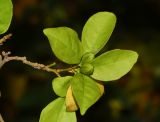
(6, 37)
(6, 58)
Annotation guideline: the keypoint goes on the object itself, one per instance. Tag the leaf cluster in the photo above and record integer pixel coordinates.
(85, 87)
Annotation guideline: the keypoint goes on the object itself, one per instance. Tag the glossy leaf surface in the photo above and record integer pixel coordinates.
(56, 112)
(113, 64)
(97, 31)
(5, 15)
(85, 90)
(65, 44)
(61, 84)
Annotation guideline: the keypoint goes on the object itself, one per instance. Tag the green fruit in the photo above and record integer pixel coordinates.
(87, 69)
(87, 58)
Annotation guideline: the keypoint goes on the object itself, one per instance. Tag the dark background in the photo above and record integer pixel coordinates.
(133, 98)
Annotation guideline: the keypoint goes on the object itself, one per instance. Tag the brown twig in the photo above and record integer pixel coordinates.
(6, 37)
(7, 58)
(1, 119)
(70, 69)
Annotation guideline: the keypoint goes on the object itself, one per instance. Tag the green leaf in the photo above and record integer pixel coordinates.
(97, 31)
(65, 44)
(5, 15)
(113, 64)
(85, 90)
(56, 112)
(61, 84)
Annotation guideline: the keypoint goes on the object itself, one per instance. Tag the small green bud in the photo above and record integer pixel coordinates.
(87, 58)
(87, 69)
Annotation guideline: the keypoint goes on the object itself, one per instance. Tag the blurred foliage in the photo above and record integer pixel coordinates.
(135, 97)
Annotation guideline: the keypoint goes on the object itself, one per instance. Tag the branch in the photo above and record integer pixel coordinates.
(1, 119)
(7, 58)
(6, 37)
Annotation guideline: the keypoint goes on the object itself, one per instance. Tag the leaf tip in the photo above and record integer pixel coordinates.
(109, 14)
(45, 31)
(135, 54)
(82, 112)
